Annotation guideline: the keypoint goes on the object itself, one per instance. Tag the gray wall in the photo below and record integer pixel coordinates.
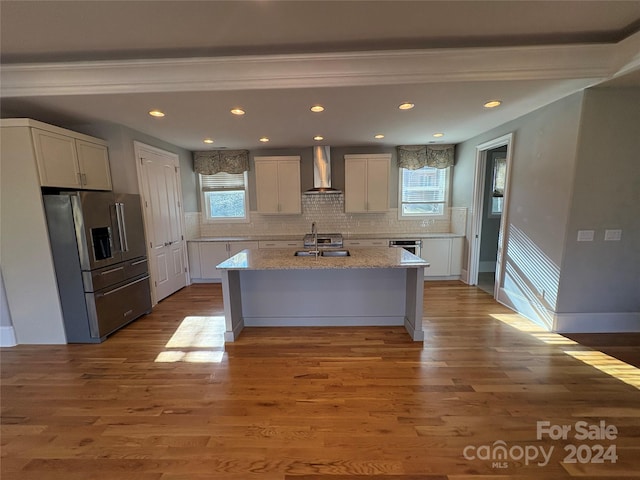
(542, 170)
(559, 185)
(604, 276)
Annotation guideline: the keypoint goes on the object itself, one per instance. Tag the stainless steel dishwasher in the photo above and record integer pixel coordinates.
(412, 245)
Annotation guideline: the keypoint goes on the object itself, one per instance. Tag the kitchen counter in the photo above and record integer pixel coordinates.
(345, 236)
(284, 259)
(376, 286)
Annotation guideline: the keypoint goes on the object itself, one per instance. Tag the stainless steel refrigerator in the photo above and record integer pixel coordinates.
(99, 253)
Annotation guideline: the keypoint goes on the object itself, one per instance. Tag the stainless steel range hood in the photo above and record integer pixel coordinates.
(321, 172)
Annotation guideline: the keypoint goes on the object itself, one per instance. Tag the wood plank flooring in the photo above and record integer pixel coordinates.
(165, 399)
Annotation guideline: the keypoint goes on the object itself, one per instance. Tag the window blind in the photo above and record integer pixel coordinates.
(424, 185)
(222, 181)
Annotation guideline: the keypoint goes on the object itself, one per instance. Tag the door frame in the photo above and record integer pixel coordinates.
(478, 209)
(138, 147)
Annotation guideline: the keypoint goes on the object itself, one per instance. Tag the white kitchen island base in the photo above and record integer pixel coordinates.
(322, 292)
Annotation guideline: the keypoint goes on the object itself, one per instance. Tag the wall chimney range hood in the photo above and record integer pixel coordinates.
(321, 172)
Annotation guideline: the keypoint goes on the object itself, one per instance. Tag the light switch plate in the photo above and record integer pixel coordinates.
(613, 235)
(585, 235)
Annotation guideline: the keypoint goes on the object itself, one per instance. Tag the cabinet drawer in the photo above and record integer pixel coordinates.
(280, 244)
(115, 308)
(377, 242)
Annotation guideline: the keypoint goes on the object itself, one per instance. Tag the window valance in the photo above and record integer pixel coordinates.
(413, 157)
(216, 161)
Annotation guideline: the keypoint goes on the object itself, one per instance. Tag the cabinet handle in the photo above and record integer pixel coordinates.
(79, 178)
(107, 272)
(84, 178)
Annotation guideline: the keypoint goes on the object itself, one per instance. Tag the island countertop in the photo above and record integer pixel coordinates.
(284, 259)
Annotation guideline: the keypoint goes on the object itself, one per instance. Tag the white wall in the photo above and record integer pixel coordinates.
(27, 264)
(604, 276)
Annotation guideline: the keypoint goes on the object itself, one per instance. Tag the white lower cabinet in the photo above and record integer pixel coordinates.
(204, 256)
(444, 256)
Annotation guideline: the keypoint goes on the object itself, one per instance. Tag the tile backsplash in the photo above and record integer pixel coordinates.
(328, 213)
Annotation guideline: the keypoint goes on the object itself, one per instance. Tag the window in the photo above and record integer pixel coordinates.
(424, 191)
(224, 197)
(497, 187)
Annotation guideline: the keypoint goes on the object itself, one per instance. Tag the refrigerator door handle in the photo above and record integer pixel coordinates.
(105, 294)
(122, 227)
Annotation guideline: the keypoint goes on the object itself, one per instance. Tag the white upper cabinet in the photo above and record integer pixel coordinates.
(93, 161)
(278, 185)
(69, 162)
(366, 180)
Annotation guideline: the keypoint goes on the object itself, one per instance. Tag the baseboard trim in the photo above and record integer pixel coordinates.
(7, 337)
(323, 321)
(617, 322)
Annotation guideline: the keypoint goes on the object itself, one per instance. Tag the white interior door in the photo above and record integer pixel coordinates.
(159, 176)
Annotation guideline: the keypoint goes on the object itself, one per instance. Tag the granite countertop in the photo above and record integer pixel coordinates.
(345, 236)
(284, 259)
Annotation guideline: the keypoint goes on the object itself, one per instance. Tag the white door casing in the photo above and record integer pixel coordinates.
(478, 210)
(159, 179)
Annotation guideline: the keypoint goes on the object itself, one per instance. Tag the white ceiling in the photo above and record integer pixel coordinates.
(75, 62)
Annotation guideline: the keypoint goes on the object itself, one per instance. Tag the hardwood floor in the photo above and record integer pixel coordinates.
(165, 399)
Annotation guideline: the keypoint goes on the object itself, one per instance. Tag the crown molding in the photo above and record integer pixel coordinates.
(316, 70)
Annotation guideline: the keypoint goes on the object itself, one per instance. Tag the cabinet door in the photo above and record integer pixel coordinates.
(377, 185)
(57, 159)
(267, 186)
(193, 252)
(355, 188)
(93, 160)
(437, 252)
(455, 264)
(289, 196)
(211, 254)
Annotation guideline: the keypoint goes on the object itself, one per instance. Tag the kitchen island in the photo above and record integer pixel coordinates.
(371, 286)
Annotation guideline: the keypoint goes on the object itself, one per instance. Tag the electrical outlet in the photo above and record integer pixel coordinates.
(585, 235)
(613, 235)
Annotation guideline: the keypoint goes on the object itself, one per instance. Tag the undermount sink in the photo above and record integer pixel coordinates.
(305, 253)
(322, 253)
(335, 253)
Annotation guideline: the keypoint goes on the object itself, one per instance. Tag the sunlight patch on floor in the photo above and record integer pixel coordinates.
(603, 362)
(202, 356)
(609, 365)
(198, 339)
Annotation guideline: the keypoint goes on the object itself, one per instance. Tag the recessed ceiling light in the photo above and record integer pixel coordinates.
(438, 135)
(406, 106)
(492, 104)
(264, 139)
(207, 140)
(156, 113)
(317, 108)
(317, 138)
(237, 111)
(378, 136)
